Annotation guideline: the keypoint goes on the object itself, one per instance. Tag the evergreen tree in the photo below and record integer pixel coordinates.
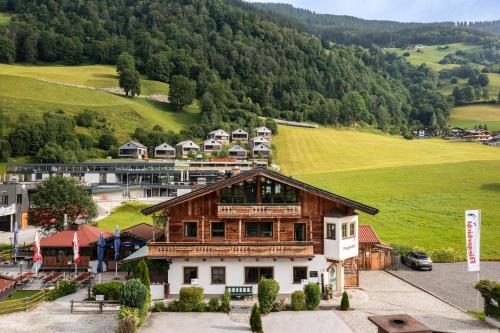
(256, 320)
(7, 50)
(142, 273)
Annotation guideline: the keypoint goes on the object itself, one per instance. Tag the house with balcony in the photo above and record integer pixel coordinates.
(165, 151)
(261, 151)
(211, 146)
(259, 140)
(264, 132)
(237, 152)
(187, 146)
(219, 135)
(239, 135)
(257, 224)
(133, 149)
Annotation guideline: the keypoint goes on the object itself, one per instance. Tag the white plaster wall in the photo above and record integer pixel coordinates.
(340, 249)
(157, 291)
(91, 178)
(235, 273)
(110, 178)
(182, 191)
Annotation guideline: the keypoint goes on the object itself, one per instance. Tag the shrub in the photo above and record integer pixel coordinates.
(279, 305)
(190, 298)
(490, 290)
(133, 294)
(298, 300)
(200, 307)
(159, 306)
(344, 303)
(110, 290)
(213, 305)
(128, 312)
(225, 305)
(256, 320)
(126, 325)
(443, 255)
(312, 296)
(141, 272)
(173, 306)
(66, 286)
(267, 293)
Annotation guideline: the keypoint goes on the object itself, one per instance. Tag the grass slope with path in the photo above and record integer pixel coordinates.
(125, 216)
(470, 115)
(421, 187)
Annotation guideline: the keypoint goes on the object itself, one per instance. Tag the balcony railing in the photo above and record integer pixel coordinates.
(258, 210)
(223, 250)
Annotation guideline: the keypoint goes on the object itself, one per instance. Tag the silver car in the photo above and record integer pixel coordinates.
(418, 260)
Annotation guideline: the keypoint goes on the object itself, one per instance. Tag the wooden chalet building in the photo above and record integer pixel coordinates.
(373, 255)
(258, 224)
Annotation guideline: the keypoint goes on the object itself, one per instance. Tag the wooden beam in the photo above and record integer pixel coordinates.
(279, 229)
(239, 231)
(203, 229)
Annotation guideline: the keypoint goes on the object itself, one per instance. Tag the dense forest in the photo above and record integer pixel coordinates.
(242, 66)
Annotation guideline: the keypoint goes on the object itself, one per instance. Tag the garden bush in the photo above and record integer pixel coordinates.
(490, 290)
(443, 255)
(312, 295)
(141, 272)
(66, 286)
(126, 325)
(174, 306)
(128, 312)
(267, 293)
(190, 298)
(213, 305)
(344, 303)
(133, 294)
(298, 300)
(256, 320)
(279, 306)
(159, 306)
(225, 305)
(110, 290)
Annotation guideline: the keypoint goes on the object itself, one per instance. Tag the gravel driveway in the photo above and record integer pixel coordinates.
(389, 295)
(452, 282)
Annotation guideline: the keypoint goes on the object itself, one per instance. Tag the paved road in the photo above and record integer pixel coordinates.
(389, 295)
(452, 282)
(304, 321)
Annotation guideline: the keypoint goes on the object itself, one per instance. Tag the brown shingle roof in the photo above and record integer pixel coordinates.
(144, 231)
(87, 235)
(6, 283)
(260, 172)
(367, 235)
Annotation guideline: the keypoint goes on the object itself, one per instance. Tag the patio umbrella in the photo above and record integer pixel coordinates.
(100, 253)
(117, 249)
(16, 240)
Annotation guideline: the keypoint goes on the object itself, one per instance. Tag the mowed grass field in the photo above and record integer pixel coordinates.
(22, 92)
(125, 216)
(470, 115)
(421, 187)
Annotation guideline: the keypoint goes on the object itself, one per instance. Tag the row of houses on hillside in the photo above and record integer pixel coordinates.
(259, 145)
(476, 135)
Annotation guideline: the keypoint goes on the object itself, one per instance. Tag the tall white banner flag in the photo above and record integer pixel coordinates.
(472, 233)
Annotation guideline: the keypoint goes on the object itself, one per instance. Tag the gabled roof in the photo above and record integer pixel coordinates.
(262, 129)
(261, 147)
(6, 282)
(260, 172)
(211, 142)
(367, 235)
(87, 235)
(259, 139)
(165, 146)
(237, 148)
(144, 231)
(219, 132)
(135, 143)
(239, 131)
(189, 143)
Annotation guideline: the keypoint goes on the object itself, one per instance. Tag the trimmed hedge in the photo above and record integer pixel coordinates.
(490, 290)
(344, 303)
(191, 299)
(133, 294)
(256, 320)
(110, 290)
(298, 300)
(436, 255)
(267, 293)
(313, 296)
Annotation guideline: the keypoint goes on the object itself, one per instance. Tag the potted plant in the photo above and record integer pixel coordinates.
(328, 291)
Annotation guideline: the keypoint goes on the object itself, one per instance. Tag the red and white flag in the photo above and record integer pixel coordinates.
(76, 249)
(37, 255)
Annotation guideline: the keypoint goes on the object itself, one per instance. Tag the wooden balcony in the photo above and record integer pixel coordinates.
(253, 210)
(223, 250)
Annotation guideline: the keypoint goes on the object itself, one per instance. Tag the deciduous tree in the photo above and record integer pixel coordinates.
(182, 91)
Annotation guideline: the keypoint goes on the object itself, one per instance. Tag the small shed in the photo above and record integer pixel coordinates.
(211, 145)
(133, 149)
(219, 135)
(261, 151)
(373, 255)
(164, 151)
(185, 147)
(264, 132)
(239, 135)
(237, 152)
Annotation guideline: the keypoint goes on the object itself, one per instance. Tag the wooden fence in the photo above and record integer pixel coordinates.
(22, 304)
(94, 306)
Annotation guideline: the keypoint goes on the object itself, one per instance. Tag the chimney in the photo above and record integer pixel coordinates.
(399, 323)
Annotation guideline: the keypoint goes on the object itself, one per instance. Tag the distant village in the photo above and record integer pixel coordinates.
(480, 135)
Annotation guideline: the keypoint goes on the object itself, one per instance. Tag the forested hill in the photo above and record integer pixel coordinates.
(353, 30)
(241, 64)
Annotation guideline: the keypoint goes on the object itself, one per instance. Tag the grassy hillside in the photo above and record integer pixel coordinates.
(432, 54)
(21, 91)
(470, 115)
(125, 216)
(421, 187)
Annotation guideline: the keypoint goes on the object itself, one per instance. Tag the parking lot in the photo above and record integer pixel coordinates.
(452, 282)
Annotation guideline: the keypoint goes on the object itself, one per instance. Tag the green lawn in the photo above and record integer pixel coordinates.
(421, 187)
(23, 94)
(470, 115)
(4, 19)
(20, 294)
(125, 216)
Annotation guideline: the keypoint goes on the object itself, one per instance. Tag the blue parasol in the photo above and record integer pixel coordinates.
(117, 243)
(100, 252)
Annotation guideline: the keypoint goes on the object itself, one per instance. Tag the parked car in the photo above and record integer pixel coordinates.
(418, 260)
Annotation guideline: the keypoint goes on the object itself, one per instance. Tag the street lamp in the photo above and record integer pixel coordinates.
(21, 267)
